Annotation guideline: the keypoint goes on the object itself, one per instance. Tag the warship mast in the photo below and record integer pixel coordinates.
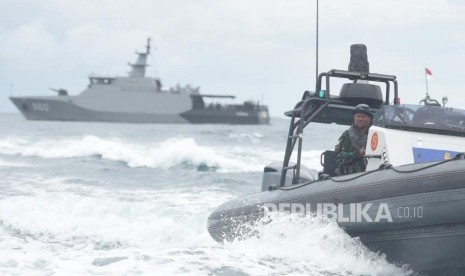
(138, 68)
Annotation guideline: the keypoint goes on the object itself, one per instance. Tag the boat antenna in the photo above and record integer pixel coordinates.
(148, 45)
(316, 71)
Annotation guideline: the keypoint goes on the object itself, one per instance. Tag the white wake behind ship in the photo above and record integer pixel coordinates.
(139, 99)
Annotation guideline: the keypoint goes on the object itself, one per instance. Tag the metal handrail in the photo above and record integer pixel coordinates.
(307, 113)
(309, 108)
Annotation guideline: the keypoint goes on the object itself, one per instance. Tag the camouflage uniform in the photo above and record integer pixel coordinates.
(347, 157)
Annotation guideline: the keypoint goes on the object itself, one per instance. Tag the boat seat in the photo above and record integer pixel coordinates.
(328, 161)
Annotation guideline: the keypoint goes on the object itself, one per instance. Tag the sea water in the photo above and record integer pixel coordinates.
(133, 199)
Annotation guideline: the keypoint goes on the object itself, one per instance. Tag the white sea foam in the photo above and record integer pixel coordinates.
(10, 164)
(64, 212)
(164, 232)
(170, 153)
(311, 245)
(255, 137)
(106, 231)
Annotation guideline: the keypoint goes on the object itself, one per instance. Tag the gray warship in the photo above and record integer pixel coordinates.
(139, 99)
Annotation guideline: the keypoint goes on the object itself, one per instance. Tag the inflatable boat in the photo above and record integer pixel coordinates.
(409, 203)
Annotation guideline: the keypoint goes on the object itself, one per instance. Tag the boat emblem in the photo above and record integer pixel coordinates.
(374, 141)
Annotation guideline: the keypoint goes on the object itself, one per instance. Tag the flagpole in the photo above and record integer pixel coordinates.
(426, 81)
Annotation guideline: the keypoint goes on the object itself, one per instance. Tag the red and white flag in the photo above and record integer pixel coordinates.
(428, 74)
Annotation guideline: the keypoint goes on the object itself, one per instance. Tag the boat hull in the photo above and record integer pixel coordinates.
(430, 240)
(63, 109)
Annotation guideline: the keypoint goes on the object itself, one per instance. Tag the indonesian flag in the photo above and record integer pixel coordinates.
(428, 74)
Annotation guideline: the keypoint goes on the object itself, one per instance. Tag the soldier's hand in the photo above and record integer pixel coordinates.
(361, 152)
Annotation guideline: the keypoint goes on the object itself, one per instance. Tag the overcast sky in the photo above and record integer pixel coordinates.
(254, 49)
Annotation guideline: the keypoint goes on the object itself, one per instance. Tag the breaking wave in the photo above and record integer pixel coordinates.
(173, 152)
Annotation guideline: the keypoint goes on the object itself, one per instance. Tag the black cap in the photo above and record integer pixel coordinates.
(363, 109)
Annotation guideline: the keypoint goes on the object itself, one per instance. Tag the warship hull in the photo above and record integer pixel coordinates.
(49, 109)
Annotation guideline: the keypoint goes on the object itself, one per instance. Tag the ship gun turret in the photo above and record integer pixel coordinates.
(60, 91)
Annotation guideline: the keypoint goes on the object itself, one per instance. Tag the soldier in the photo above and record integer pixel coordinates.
(350, 149)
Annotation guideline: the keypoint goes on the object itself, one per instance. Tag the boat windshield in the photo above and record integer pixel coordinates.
(422, 118)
